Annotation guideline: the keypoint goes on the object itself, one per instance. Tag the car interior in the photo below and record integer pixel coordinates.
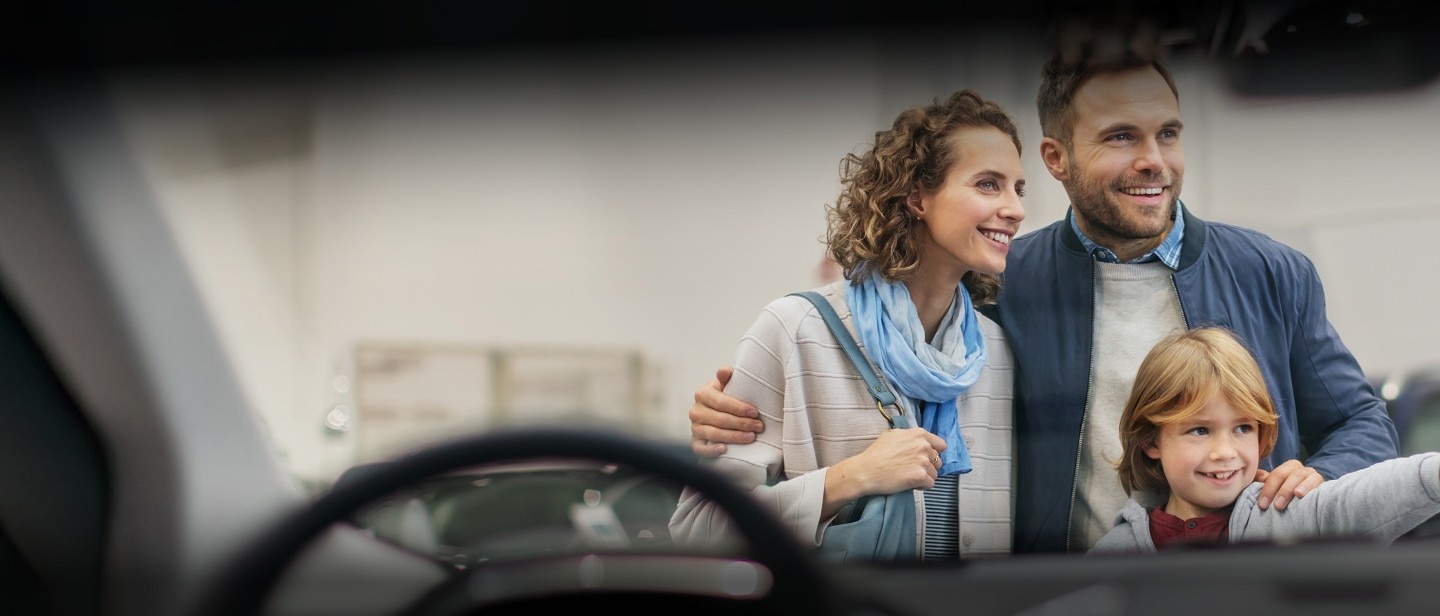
(138, 478)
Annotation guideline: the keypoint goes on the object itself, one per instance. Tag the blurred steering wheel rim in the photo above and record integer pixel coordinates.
(250, 579)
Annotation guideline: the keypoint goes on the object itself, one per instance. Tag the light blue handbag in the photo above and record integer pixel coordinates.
(876, 527)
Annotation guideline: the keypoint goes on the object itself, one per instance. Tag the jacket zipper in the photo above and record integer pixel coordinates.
(1084, 416)
(1175, 286)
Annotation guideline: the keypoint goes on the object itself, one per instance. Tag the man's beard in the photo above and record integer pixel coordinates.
(1096, 201)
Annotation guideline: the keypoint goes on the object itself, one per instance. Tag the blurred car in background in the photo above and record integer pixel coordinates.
(494, 512)
(1413, 399)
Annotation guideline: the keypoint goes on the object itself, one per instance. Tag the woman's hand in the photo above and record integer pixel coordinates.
(898, 460)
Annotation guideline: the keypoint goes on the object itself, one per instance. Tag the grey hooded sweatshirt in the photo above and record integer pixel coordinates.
(1380, 503)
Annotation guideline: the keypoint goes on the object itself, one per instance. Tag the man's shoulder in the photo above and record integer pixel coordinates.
(1234, 242)
(1238, 235)
(1036, 235)
(1034, 244)
(1025, 270)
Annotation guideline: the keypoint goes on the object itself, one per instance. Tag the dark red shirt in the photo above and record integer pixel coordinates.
(1169, 531)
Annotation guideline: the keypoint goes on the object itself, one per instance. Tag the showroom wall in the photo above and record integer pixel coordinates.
(648, 200)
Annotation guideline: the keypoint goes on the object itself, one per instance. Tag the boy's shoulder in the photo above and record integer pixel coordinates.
(1249, 496)
(1131, 532)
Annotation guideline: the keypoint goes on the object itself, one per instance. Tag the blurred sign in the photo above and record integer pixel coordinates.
(407, 394)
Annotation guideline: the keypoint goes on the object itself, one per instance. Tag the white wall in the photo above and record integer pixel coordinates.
(658, 197)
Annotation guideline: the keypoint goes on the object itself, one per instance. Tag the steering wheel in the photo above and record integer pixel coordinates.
(796, 580)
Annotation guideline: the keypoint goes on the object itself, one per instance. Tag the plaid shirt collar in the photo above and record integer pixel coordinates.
(1168, 252)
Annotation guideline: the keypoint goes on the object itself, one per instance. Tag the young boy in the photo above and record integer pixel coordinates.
(1198, 422)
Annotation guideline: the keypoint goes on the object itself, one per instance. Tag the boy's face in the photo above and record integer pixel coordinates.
(1208, 458)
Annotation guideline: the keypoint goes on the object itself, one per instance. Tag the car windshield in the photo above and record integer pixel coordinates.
(397, 245)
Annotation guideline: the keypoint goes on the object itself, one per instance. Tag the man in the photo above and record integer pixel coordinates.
(1085, 298)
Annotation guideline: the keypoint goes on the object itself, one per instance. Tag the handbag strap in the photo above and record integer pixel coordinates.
(874, 384)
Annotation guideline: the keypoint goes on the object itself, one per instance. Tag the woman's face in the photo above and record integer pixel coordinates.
(971, 218)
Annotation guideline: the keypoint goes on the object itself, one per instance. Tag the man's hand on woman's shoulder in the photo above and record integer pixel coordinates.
(717, 419)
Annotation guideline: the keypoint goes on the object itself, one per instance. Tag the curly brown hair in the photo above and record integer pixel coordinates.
(869, 227)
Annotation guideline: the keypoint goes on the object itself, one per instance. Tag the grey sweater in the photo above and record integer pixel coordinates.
(1380, 503)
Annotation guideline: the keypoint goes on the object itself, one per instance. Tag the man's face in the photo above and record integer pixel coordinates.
(1124, 166)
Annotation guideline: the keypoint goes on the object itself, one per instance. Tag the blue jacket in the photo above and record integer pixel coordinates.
(1266, 292)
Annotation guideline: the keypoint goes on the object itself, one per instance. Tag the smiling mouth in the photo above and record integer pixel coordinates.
(1143, 191)
(1220, 475)
(997, 236)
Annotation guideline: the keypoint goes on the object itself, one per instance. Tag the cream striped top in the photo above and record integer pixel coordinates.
(817, 412)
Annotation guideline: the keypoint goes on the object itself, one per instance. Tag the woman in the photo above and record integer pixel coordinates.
(921, 229)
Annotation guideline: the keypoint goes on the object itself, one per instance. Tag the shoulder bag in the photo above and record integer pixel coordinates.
(878, 527)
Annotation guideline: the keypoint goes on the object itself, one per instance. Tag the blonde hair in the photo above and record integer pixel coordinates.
(1179, 375)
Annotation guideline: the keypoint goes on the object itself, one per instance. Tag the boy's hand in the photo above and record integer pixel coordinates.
(1288, 481)
(717, 419)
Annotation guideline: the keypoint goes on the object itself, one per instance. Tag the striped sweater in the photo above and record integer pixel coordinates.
(817, 412)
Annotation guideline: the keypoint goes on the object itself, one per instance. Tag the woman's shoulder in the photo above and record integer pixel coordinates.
(793, 313)
(793, 304)
(992, 330)
(996, 344)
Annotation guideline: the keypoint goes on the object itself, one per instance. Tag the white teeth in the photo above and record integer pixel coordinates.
(1220, 475)
(1143, 191)
(999, 237)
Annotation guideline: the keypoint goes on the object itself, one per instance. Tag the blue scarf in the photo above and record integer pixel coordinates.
(936, 374)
